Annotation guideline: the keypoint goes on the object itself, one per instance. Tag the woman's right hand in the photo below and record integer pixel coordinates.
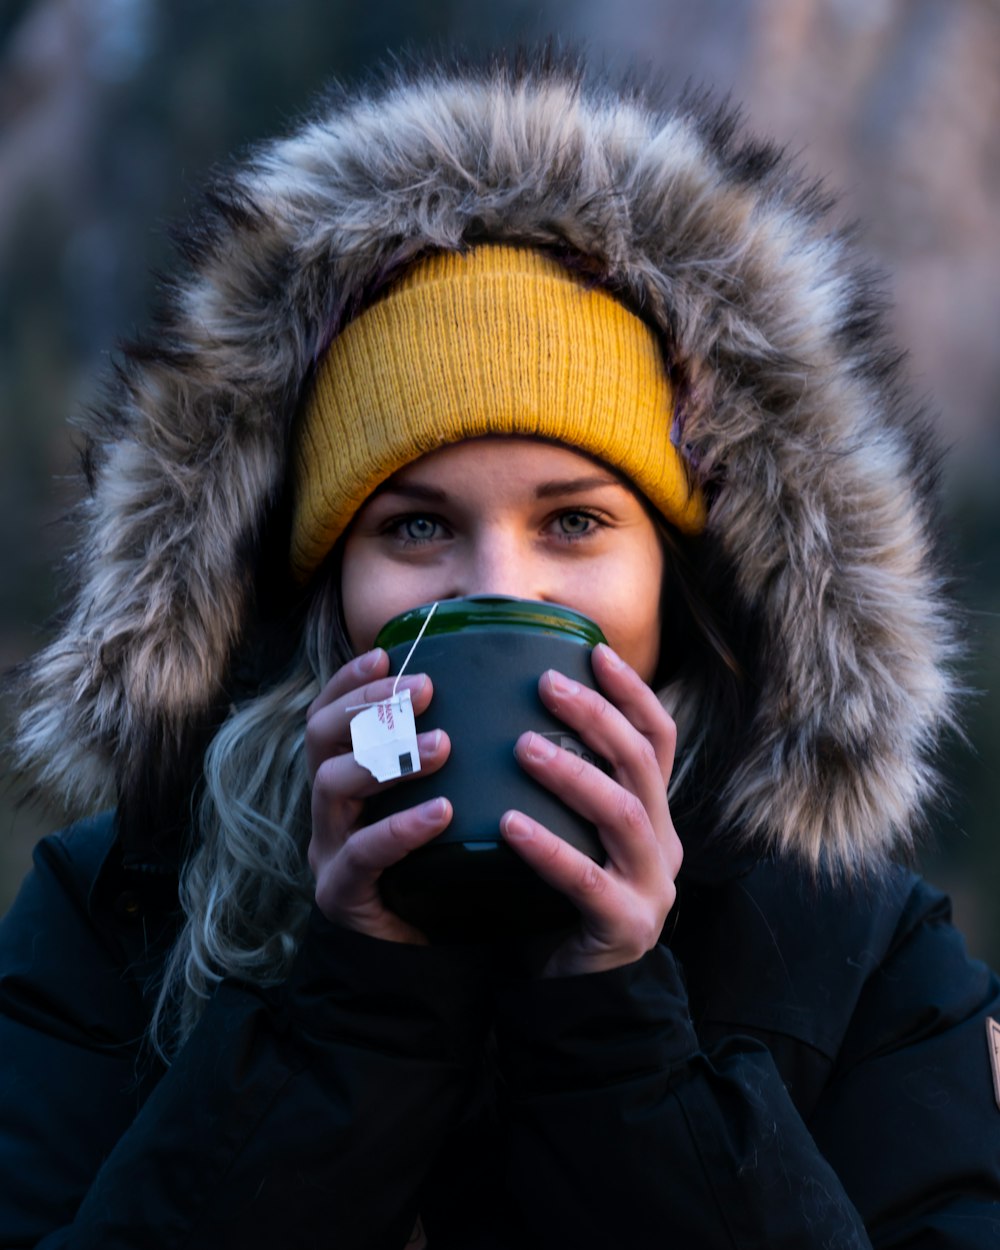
(346, 856)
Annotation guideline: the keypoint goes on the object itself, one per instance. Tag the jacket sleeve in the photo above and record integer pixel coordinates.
(300, 1116)
(910, 1117)
(624, 1131)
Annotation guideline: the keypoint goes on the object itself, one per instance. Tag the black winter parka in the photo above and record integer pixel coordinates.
(792, 1067)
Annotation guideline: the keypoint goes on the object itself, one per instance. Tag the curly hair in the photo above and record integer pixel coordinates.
(246, 890)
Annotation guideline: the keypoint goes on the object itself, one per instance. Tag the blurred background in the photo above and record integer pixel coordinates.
(113, 111)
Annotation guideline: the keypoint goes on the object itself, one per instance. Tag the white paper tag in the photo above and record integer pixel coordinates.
(384, 738)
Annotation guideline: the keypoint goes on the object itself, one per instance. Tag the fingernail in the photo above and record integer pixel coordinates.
(514, 826)
(434, 811)
(562, 685)
(432, 741)
(369, 660)
(612, 657)
(539, 748)
(414, 683)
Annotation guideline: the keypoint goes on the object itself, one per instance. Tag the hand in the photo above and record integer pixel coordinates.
(624, 904)
(346, 857)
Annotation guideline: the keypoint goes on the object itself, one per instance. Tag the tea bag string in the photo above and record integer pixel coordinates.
(409, 654)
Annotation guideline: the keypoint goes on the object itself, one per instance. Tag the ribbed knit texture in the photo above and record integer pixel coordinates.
(500, 340)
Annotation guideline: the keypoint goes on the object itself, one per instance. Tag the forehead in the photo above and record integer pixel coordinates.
(479, 462)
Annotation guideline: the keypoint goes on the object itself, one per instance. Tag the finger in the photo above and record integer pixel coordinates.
(634, 757)
(328, 730)
(341, 785)
(348, 879)
(634, 837)
(638, 703)
(614, 914)
(350, 676)
(339, 711)
(555, 861)
(341, 776)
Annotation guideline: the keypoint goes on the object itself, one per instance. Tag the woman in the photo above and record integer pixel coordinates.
(500, 333)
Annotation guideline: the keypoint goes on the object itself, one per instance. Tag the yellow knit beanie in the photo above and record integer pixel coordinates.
(499, 340)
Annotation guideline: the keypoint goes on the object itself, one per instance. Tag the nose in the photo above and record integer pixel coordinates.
(499, 563)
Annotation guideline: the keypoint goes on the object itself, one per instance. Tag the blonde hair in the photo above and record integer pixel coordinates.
(246, 890)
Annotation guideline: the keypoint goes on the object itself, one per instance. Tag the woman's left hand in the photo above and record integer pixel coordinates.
(624, 903)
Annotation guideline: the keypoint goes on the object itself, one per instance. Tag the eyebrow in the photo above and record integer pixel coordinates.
(544, 490)
(412, 490)
(570, 486)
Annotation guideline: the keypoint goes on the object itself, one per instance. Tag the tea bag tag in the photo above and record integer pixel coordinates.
(384, 738)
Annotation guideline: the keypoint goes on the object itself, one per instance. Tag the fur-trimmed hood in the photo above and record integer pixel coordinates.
(819, 475)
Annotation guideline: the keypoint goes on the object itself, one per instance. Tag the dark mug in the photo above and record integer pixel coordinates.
(485, 655)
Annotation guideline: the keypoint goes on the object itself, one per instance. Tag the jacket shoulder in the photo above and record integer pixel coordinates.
(826, 974)
(923, 987)
(62, 963)
(77, 853)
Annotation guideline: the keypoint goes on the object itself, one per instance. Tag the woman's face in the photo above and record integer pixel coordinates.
(507, 516)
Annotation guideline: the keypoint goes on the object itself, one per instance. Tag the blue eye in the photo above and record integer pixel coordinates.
(575, 524)
(414, 529)
(419, 529)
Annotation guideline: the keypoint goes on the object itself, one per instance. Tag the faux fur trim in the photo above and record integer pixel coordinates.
(819, 474)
